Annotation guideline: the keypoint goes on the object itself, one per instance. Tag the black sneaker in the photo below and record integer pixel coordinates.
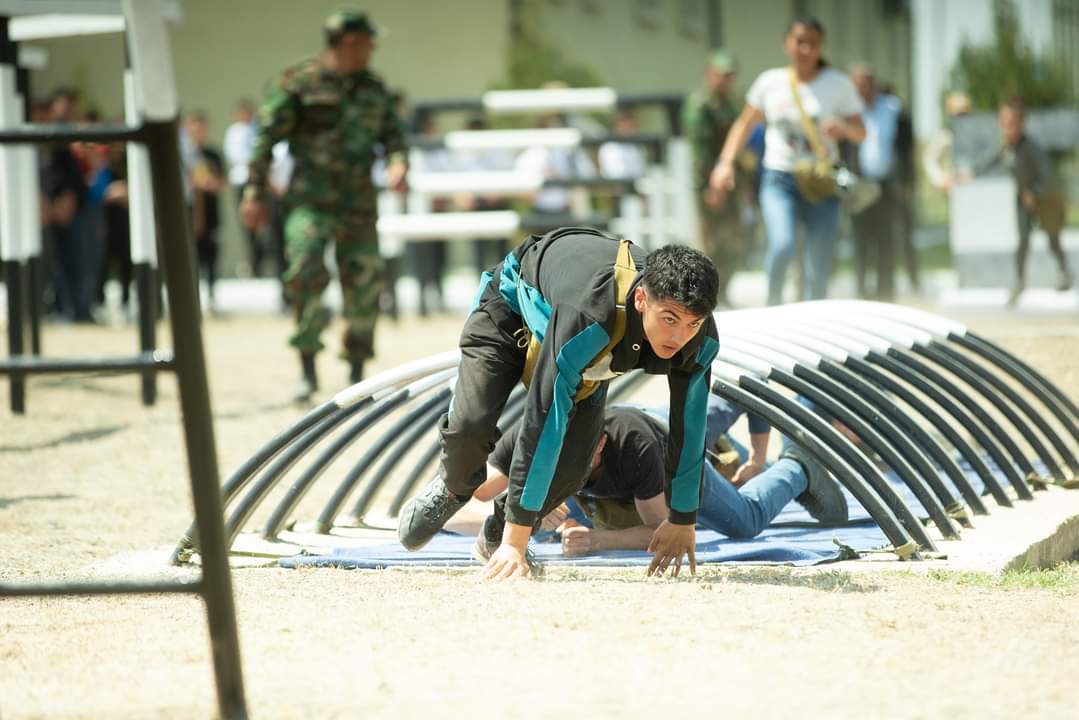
(424, 515)
(487, 540)
(823, 499)
(485, 546)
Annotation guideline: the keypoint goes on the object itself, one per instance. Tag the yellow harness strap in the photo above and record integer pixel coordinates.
(625, 272)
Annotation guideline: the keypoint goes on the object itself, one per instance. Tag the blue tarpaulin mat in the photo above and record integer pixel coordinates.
(793, 539)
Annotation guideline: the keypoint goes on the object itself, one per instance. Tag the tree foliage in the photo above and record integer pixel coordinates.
(991, 74)
(533, 61)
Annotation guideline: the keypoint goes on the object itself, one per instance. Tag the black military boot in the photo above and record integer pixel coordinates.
(822, 499)
(308, 384)
(355, 371)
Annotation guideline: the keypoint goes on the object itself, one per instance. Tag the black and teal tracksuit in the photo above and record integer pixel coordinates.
(560, 286)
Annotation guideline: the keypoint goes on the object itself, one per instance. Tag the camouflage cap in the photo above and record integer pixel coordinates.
(346, 21)
(723, 61)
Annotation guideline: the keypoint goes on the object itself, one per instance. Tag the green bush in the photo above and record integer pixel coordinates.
(991, 74)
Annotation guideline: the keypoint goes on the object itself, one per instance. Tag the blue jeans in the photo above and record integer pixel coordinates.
(741, 512)
(744, 512)
(782, 207)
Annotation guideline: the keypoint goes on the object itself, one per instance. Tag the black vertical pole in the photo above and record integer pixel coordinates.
(14, 274)
(147, 292)
(13, 280)
(35, 301)
(177, 261)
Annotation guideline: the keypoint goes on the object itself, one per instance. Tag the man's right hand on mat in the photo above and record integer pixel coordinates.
(506, 562)
(669, 543)
(510, 559)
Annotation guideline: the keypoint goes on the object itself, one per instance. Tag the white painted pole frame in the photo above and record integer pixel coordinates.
(554, 99)
(684, 222)
(140, 201)
(29, 193)
(10, 191)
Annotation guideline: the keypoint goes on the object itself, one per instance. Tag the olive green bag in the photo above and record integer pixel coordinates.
(815, 178)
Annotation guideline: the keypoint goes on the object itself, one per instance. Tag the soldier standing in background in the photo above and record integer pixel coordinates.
(337, 117)
(708, 115)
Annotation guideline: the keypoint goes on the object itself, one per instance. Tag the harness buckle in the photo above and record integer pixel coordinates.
(524, 337)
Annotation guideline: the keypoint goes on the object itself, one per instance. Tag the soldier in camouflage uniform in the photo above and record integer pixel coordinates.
(708, 115)
(336, 115)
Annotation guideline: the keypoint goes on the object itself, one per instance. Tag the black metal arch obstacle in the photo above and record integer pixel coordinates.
(919, 394)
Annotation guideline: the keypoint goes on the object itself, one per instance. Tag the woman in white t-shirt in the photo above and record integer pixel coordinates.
(833, 106)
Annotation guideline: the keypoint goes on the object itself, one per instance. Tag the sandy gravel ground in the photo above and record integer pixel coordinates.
(89, 475)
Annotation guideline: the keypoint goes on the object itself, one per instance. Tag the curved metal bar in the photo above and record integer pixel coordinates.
(943, 329)
(402, 444)
(510, 415)
(964, 419)
(834, 352)
(876, 418)
(282, 464)
(862, 346)
(961, 371)
(835, 452)
(822, 448)
(925, 441)
(976, 410)
(1018, 400)
(419, 469)
(1051, 396)
(236, 482)
(302, 484)
(874, 440)
(400, 375)
(352, 477)
(947, 429)
(884, 417)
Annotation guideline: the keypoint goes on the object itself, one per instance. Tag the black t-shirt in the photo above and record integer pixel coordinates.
(633, 464)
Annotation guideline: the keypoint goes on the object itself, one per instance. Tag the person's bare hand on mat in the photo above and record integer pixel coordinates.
(669, 543)
(576, 540)
(555, 518)
(509, 560)
(506, 562)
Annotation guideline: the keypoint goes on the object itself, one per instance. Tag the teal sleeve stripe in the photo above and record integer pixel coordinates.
(572, 359)
(534, 309)
(508, 279)
(686, 484)
(524, 299)
(485, 280)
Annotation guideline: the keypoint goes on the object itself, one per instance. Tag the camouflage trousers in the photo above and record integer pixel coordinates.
(359, 268)
(722, 240)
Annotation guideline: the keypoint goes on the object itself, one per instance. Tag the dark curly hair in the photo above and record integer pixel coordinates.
(683, 275)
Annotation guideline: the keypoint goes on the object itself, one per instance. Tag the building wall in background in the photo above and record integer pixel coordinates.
(635, 45)
(226, 50)
(433, 48)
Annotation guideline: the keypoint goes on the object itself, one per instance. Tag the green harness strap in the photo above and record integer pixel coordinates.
(625, 272)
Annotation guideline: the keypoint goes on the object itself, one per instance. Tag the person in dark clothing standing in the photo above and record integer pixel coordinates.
(566, 312)
(1039, 197)
(115, 222)
(64, 189)
(875, 226)
(207, 178)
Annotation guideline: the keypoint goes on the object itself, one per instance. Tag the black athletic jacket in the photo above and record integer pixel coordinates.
(562, 286)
